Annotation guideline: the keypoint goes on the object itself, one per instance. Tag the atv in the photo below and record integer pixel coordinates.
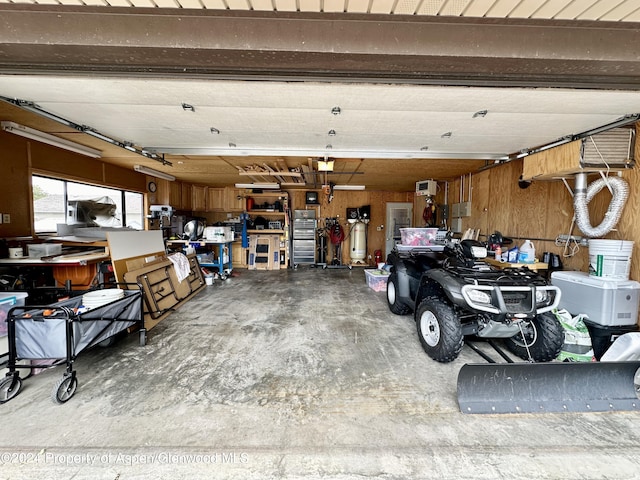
(453, 294)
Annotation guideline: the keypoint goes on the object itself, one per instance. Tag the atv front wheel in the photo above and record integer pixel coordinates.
(392, 296)
(543, 336)
(439, 329)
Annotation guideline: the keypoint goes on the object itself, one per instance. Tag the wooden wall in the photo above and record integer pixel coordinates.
(544, 210)
(539, 213)
(19, 157)
(15, 198)
(344, 199)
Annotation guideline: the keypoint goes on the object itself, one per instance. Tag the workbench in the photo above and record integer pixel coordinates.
(80, 268)
(220, 262)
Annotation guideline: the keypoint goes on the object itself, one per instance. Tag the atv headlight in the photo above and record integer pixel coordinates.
(542, 296)
(478, 296)
(479, 252)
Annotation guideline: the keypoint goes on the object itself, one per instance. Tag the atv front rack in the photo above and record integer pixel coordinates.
(516, 301)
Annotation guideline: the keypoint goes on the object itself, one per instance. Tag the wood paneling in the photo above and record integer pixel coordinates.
(560, 161)
(342, 200)
(15, 191)
(18, 156)
(540, 212)
(198, 198)
(175, 195)
(72, 166)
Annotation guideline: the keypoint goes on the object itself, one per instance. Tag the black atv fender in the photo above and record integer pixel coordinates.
(438, 281)
(402, 279)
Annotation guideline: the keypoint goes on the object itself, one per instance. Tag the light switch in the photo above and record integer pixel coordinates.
(6, 218)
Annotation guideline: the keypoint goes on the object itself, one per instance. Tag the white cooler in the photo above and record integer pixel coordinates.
(606, 302)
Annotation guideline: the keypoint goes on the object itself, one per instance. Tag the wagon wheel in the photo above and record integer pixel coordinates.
(65, 388)
(143, 337)
(10, 387)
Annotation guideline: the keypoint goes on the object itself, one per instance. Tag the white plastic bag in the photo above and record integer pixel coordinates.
(577, 341)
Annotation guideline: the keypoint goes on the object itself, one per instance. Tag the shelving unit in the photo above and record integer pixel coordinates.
(223, 250)
(265, 206)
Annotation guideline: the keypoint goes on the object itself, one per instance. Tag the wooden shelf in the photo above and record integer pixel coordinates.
(531, 266)
(265, 212)
(266, 231)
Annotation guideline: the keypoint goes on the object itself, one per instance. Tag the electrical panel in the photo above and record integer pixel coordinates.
(465, 209)
(444, 212)
(455, 210)
(462, 209)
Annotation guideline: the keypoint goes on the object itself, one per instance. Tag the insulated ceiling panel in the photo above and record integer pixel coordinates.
(375, 120)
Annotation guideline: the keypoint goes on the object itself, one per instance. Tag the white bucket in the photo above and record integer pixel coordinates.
(208, 280)
(610, 258)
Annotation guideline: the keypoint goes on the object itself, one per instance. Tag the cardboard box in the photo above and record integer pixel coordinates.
(218, 234)
(264, 252)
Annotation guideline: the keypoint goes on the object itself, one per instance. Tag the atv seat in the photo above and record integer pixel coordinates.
(429, 259)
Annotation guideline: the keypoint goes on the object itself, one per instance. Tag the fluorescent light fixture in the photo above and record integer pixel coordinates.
(39, 136)
(153, 173)
(264, 186)
(348, 187)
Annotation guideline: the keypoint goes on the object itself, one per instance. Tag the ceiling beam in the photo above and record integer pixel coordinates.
(348, 47)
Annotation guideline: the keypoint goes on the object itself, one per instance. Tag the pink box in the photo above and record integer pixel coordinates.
(418, 236)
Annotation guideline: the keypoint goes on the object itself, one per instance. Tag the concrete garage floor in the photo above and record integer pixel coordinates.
(297, 374)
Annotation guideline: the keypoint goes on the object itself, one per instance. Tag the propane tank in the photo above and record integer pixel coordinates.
(358, 242)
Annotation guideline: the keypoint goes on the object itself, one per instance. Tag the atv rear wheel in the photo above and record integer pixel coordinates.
(543, 335)
(392, 296)
(439, 329)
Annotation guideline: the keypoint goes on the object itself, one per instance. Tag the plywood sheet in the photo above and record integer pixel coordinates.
(129, 244)
(481, 190)
(560, 161)
(131, 249)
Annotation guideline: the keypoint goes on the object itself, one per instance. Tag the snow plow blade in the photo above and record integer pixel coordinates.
(548, 387)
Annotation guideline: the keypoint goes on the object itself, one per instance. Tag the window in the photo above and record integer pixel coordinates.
(73, 203)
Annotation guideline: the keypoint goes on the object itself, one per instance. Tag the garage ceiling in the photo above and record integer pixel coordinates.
(434, 90)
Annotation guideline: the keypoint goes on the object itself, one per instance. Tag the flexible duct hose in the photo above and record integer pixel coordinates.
(583, 195)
